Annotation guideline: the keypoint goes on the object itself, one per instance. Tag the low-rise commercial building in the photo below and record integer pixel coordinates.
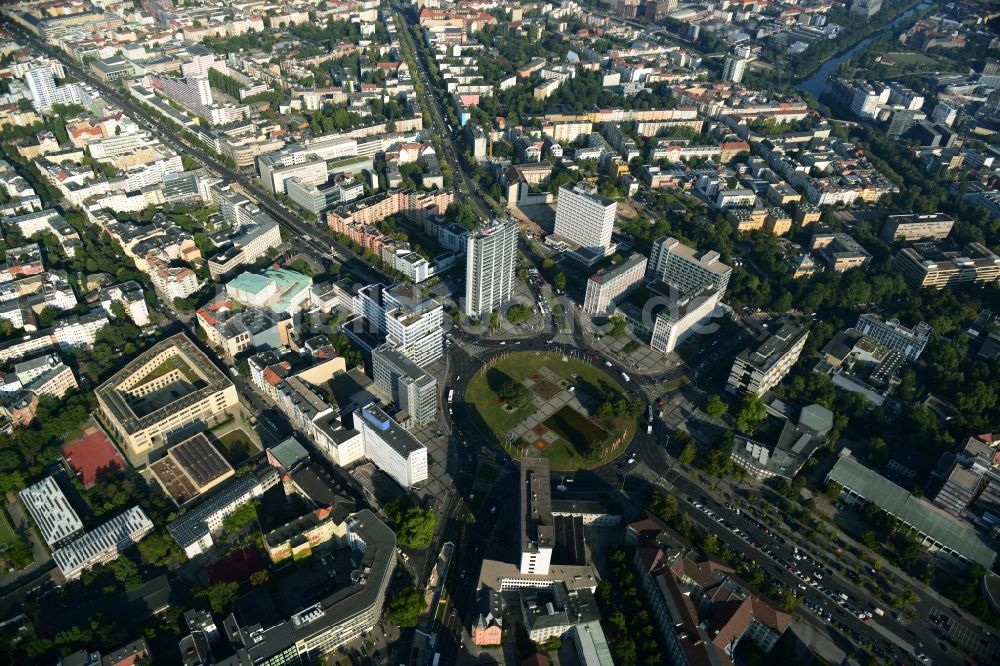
(951, 541)
(56, 520)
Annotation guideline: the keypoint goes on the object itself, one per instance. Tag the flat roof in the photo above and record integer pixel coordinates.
(537, 528)
(92, 545)
(200, 460)
(377, 420)
(918, 513)
(51, 510)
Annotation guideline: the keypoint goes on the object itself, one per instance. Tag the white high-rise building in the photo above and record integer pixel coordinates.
(42, 85)
(686, 268)
(393, 450)
(412, 323)
(489, 268)
(585, 217)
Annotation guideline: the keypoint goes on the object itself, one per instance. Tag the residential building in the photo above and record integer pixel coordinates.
(968, 482)
(760, 368)
(839, 251)
(164, 391)
(585, 217)
(50, 509)
(235, 330)
(414, 391)
(951, 541)
(915, 227)
(686, 268)
(103, 543)
(893, 335)
(194, 529)
(607, 287)
(346, 606)
(700, 607)
(491, 253)
(130, 297)
(942, 264)
(391, 448)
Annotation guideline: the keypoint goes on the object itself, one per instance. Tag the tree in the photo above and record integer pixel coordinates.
(688, 452)
(560, 281)
(518, 314)
(159, 548)
(260, 577)
(618, 326)
(750, 413)
(716, 407)
(220, 597)
(414, 526)
(242, 516)
(405, 608)
(515, 394)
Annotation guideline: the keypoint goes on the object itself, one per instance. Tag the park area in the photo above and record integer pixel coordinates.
(546, 404)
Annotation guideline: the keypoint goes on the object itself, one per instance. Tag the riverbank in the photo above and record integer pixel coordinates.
(818, 81)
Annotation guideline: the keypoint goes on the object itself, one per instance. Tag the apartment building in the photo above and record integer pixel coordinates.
(50, 509)
(942, 264)
(491, 254)
(607, 287)
(585, 218)
(761, 367)
(344, 613)
(194, 529)
(915, 227)
(166, 390)
(390, 447)
(686, 268)
(891, 334)
(102, 544)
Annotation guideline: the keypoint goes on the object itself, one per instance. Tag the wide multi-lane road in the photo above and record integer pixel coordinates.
(314, 237)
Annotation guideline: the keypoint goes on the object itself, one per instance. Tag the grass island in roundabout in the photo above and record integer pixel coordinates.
(554, 406)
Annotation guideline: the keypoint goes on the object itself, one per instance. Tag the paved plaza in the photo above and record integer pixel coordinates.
(550, 393)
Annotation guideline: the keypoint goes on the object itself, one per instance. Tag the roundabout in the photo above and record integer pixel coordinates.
(546, 404)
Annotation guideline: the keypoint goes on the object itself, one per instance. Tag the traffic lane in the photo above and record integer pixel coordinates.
(855, 624)
(181, 146)
(750, 553)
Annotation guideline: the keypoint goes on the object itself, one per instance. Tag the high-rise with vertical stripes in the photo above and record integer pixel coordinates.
(489, 269)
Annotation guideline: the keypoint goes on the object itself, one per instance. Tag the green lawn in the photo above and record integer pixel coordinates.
(236, 446)
(910, 58)
(589, 378)
(7, 536)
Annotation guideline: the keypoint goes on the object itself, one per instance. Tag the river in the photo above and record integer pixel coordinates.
(819, 82)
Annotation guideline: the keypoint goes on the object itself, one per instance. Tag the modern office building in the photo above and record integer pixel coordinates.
(390, 447)
(103, 543)
(537, 531)
(346, 601)
(414, 391)
(760, 368)
(57, 521)
(607, 287)
(584, 217)
(409, 321)
(915, 227)
(686, 268)
(171, 387)
(193, 530)
(911, 342)
(682, 316)
(941, 264)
